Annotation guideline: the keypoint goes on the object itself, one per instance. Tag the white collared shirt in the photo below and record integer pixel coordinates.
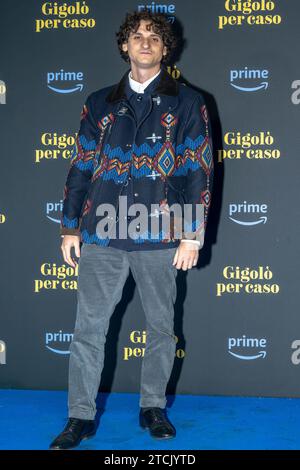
(140, 87)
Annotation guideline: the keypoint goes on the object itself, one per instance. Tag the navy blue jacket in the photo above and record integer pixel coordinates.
(140, 104)
(168, 155)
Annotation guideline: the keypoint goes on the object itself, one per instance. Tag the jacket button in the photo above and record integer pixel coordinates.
(136, 194)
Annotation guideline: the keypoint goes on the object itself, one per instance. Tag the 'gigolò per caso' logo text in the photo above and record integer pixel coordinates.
(55, 277)
(66, 15)
(55, 146)
(247, 280)
(252, 147)
(252, 13)
(138, 339)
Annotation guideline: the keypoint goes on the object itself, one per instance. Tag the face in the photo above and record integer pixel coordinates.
(145, 48)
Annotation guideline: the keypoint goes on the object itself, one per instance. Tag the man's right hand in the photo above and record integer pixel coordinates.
(68, 242)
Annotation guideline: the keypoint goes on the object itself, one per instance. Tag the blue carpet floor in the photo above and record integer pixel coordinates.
(31, 419)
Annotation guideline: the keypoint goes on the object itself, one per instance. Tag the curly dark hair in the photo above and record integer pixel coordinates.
(160, 25)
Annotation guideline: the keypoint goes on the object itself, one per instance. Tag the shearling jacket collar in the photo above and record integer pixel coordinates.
(166, 85)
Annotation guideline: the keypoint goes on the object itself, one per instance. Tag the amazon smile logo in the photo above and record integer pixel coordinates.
(247, 349)
(65, 82)
(249, 80)
(238, 211)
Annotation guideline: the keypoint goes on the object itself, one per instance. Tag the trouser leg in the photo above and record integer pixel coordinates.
(102, 273)
(155, 277)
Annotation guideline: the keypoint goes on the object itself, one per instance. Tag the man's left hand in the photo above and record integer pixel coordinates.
(186, 256)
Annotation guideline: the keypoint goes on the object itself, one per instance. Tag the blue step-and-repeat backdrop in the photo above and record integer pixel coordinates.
(237, 314)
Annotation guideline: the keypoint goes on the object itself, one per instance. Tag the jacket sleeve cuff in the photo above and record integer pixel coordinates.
(196, 242)
(69, 231)
(195, 237)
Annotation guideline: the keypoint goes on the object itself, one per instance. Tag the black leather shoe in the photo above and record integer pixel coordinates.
(156, 421)
(75, 431)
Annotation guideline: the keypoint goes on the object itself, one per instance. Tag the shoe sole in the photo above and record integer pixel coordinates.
(146, 428)
(156, 437)
(84, 438)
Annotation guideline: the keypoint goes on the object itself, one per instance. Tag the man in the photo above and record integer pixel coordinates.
(147, 139)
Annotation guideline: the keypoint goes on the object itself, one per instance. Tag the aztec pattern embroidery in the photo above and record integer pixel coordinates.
(104, 125)
(207, 163)
(115, 163)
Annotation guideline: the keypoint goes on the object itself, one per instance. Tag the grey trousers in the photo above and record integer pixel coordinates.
(102, 273)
